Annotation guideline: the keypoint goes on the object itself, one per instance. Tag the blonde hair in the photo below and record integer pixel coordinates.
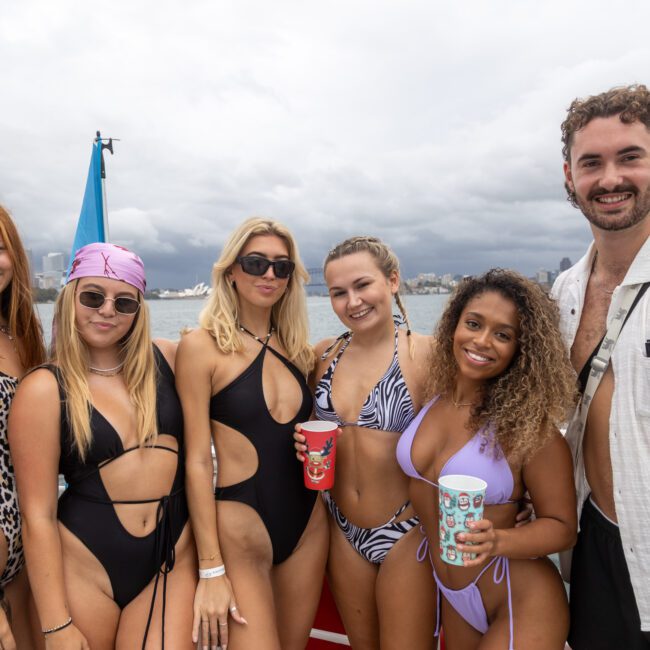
(386, 261)
(220, 316)
(529, 400)
(16, 303)
(72, 359)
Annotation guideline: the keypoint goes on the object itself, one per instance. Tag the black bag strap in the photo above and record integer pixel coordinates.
(586, 369)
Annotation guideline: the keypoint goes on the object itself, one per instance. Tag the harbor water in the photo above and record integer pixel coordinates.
(169, 317)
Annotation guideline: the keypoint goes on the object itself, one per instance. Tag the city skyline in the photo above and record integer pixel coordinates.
(54, 266)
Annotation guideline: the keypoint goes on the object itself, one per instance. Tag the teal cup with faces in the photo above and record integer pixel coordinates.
(460, 502)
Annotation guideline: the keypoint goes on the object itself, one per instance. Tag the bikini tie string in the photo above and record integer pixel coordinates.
(423, 548)
(501, 569)
(337, 340)
(166, 552)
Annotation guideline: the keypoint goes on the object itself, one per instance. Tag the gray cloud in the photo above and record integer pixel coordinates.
(433, 126)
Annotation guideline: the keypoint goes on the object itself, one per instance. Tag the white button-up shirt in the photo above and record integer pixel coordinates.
(629, 419)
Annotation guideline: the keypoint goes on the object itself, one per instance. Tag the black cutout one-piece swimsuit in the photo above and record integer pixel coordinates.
(276, 490)
(86, 509)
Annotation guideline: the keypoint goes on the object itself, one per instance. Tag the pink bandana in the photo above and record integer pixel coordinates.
(103, 260)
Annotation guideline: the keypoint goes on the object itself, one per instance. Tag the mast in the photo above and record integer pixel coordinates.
(108, 146)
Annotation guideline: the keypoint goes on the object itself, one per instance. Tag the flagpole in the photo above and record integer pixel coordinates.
(103, 146)
(106, 233)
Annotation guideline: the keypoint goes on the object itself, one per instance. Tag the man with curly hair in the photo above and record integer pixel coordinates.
(606, 151)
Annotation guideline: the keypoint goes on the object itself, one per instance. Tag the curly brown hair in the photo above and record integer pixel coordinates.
(530, 399)
(630, 103)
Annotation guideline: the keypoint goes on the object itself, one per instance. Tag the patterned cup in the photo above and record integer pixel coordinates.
(461, 501)
(320, 438)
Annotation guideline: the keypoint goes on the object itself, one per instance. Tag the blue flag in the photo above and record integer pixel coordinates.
(90, 227)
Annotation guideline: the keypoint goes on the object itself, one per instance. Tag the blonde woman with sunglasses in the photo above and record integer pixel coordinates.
(111, 563)
(261, 535)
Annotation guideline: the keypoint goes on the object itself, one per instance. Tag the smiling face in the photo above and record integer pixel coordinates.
(103, 327)
(609, 172)
(486, 336)
(6, 267)
(266, 289)
(361, 295)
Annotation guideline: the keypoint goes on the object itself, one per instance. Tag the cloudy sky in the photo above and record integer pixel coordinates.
(433, 125)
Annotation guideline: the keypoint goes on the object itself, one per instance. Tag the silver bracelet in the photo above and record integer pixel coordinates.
(58, 627)
(214, 572)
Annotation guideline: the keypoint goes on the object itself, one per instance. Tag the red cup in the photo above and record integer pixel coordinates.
(320, 456)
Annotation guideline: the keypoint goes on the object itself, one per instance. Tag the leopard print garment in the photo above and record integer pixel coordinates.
(9, 514)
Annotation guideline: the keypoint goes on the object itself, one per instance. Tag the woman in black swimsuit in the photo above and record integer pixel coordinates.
(241, 378)
(21, 347)
(117, 569)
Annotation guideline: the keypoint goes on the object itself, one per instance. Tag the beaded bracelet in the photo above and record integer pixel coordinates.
(214, 572)
(58, 627)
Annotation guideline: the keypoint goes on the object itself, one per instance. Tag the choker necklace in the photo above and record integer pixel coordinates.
(260, 339)
(459, 404)
(107, 372)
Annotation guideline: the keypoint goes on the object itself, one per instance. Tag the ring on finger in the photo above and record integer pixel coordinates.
(222, 624)
(233, 608)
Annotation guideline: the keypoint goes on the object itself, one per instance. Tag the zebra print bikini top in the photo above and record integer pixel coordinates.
(388, 407)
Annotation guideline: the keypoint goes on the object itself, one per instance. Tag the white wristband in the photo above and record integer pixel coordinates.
(214, 572)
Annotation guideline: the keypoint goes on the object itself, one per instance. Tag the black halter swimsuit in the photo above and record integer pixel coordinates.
(87, 511)
(276, 491)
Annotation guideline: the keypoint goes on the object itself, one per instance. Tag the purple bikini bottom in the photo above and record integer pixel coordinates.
(467, 601)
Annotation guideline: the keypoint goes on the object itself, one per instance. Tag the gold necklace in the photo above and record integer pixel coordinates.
(7, 332)
(459, 404)
(107, 372)
(4, 329)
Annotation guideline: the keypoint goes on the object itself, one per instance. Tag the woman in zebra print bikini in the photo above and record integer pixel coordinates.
(369, 382)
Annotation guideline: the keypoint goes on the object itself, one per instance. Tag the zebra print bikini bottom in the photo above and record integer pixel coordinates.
(372, 544)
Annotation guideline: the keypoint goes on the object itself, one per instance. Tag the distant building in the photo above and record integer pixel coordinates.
(565, 264)
(50, 280)
(32, 271)
(54, 268)
(427, 278)
(542, 276)
(53, 262)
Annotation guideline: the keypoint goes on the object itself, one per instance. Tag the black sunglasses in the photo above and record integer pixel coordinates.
(255, 265)
(94, 300)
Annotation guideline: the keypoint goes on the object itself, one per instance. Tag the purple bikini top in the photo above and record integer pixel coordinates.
(472, 459)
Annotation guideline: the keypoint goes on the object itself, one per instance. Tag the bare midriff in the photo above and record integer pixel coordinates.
(369, 486)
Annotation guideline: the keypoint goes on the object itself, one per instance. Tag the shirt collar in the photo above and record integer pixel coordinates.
(639, 271)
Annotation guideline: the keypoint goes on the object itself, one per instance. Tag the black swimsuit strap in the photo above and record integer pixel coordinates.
(345, 336)
(110, 502)
(93, 470)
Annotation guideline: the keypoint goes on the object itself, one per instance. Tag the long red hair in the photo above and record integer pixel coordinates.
(16, 304)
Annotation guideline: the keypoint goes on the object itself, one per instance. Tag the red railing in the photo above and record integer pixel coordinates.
(328, 632)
